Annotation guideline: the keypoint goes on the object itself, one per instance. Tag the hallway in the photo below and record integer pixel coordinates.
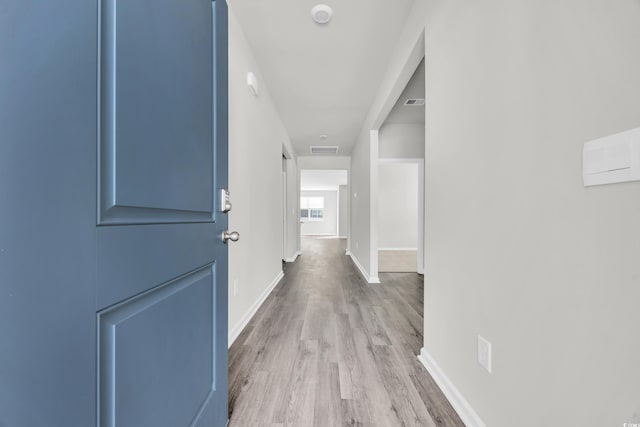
(326, 349)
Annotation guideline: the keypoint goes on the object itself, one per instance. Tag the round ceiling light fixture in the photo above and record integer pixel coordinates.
(321, 13)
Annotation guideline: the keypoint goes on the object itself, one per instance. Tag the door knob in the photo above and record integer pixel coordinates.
(234, 236)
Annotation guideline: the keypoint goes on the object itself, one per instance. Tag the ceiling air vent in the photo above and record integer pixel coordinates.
(324, 149)
(414, 102)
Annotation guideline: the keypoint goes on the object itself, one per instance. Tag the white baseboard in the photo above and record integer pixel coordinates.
(237, 329)
(364, 273)
(293, 257)
(397, 249)
(466, 413)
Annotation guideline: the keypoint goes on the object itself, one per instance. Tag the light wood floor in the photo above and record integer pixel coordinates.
(327, 349)
(398, 261)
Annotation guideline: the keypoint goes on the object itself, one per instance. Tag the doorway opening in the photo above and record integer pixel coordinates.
(400, 173)
(400, 218)
(324, 203)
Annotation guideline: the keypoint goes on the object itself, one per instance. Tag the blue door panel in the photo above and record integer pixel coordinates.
(156, 106)
(157, 229)
(132, 268)
(113, 146)
(47, 212)
(138, 372)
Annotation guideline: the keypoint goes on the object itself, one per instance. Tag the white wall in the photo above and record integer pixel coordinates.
(255, 183)
(398, 206)
(401, 141)
(517, 250)
(360, 222)
(329, 224)
(343, 211)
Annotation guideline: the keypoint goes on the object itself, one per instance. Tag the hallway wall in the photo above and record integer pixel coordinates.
(398, 206)
(343, 211)
(517, 250)
(255, 184)
(360, 224)
(401, 141)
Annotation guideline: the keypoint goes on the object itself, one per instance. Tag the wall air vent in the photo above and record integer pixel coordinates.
(414, 102)
(324, 149)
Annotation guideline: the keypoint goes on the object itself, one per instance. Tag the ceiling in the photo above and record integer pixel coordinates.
(322, 78)
(415, 89)
(322, 179)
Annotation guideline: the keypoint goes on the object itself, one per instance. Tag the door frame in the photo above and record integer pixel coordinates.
(285, 217)
(409, 65)
(420, 163)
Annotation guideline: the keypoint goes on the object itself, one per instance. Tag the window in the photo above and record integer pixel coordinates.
(311, 209)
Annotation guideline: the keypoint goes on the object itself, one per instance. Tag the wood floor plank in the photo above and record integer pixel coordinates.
(355, 413)
(404, 396)
(328, 406)
(297, 399)
(327, 349)
(348, 366)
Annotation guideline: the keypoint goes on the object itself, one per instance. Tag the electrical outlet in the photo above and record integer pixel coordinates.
(484, 353)
(235, 287)
(356, 245)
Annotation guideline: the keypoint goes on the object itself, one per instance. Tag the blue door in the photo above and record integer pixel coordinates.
(113, 160)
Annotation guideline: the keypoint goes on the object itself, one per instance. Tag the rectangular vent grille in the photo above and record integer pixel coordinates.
(324, 149)
(415, 102)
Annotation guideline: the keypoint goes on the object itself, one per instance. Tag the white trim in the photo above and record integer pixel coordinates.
(374, 279)
(293, 257)
(320, 234)
(466, 413)
(421, 214)
(242, 323)
(374, 141)
(397, 249)
(338, 211)
(285, 210)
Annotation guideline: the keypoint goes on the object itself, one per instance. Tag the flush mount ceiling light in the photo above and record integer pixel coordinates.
(321, 13)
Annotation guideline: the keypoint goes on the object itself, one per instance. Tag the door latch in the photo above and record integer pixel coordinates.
(225, 203)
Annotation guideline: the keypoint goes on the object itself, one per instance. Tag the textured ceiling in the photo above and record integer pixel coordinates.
(322, 78)
(415, 89)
